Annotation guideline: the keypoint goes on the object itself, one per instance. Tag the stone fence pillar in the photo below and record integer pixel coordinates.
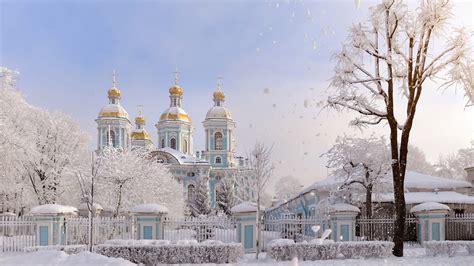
(343, 217)
(149, 220)
(51, 223)
(431, 221)
(245, 215)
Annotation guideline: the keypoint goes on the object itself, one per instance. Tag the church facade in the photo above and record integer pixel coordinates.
(174, 143)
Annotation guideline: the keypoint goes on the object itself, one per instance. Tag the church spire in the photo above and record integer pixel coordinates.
(219, 96)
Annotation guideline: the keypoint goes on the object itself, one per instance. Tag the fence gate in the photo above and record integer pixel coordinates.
(381, 228)
(460, 227)
(200, 229)
(104, 228)
(17, 233)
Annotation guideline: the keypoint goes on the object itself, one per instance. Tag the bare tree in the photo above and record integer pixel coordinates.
(86, 182)
(287, 187)
(394, 51)
(261, 169)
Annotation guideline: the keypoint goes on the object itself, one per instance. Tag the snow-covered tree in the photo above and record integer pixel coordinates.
(127, 178)
(454, 165)
(261, 171)
(37, 147)
(360, 163)
(225, 195)
(59, 145)
(201, 204)
(287, 187)
(394, 55)
(417, 161)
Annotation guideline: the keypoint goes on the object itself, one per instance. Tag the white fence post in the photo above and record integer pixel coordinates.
(51, 223)
(246, 217)
(149, 220)
(343, 221)
(431, 221)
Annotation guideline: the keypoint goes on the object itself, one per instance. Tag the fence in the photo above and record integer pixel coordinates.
(460, 227)
(104, 228)
(16, 233)
(200, 229)
(291, 226)
(382, 228)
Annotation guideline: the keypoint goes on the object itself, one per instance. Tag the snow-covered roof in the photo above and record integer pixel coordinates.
(113, 110)
(149, 208)
(422, 181)
(7, 214)
(420, 197)
(429, 206)
(182, 158)
(245, 207)
(53, 209)
(344, 207)
(218, 112)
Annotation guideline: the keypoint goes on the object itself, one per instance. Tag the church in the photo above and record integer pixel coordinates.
(174, 144)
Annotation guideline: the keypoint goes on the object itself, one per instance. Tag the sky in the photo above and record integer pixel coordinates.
(273, 56)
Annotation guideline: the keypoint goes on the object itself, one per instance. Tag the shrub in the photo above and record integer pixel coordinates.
(174, 253)
(338, 250)
(450, 248)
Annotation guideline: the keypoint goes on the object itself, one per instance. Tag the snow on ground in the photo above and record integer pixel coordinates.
(53, 257)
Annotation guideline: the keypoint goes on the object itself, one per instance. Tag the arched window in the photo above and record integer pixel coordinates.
(191, 192)
(111, 138)
(162, 143)
(218, 140)
(173, 143)
(185, 146)
(218, 160)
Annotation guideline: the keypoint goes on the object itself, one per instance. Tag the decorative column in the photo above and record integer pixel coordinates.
(245, 215)
(431, 221)
(51, 223)
(149, 220)
(343, 218)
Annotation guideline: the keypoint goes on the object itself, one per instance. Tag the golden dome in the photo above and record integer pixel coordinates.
(114, 92)
(139, 120)
(219, 95)
(141, 135)
(176, 90)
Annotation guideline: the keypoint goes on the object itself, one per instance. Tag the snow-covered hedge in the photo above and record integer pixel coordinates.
(450, 248)
(281, 251)
(71, 249)
(212, 252)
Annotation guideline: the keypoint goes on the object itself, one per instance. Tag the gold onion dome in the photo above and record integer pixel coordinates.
(219, 95)
(141, 135)
(139, 120)
(114, 92)
(176, 90)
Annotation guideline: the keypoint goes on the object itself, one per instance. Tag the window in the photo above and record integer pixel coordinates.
(111, 138)
(162, 143)
(218, 160)
(173, 143)
(185, 146)
(191, 174)
(191, 192)
(218, 140)
(160, 160)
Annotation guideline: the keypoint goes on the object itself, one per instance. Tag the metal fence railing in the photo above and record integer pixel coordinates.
(16, 233)
(382, 228)
(104, 228)
(460, 227)
(200, 228)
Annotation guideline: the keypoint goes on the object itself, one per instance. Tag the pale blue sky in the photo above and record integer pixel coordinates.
(67, 50)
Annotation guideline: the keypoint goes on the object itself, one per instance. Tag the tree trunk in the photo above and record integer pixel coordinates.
(368, 201)
(258, 227)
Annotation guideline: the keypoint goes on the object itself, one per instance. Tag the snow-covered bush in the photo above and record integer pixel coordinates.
(174, 253)
(450, 248)
(131, 242)
(70, 249)
(338, 250)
